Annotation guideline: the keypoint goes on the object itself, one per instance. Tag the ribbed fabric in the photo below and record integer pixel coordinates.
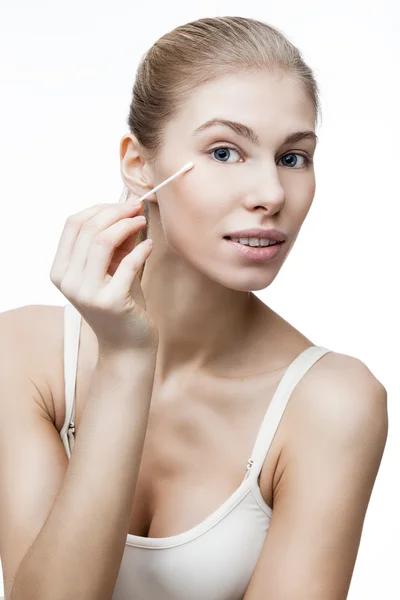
(215, 559)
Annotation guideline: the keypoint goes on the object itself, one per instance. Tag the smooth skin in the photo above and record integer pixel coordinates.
(219, 347)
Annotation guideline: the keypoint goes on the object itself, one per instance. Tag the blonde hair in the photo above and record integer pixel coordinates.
(195, 53)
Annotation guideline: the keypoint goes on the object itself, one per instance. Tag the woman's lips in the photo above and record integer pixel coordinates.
(257, 253)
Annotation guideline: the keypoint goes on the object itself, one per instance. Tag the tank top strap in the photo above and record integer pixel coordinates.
(72, 329)
(296, 370)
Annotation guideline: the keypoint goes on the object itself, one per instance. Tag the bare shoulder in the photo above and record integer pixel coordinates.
(34, 335)
(340, 381)
(341, 399)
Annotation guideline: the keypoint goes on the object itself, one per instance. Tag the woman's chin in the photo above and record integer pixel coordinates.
(246, 283)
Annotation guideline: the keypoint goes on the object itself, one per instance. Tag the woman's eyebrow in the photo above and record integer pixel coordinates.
(251, 135)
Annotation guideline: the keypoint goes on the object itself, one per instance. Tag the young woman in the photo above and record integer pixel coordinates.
(148, 448)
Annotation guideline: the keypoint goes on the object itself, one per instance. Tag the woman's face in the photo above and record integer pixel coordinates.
(245, 184)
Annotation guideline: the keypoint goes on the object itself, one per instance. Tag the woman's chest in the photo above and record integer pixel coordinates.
(193, 460)
(200, 435)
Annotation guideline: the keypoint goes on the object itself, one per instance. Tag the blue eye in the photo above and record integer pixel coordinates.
(224, 150)
(306, 159)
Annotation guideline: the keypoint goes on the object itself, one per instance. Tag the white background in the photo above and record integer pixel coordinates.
(66, 74)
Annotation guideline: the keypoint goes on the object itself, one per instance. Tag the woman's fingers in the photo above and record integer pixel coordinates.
(104, 245)
(125, 276)
(114, 308)
(92, 227)
(77, 233)
(67, 240)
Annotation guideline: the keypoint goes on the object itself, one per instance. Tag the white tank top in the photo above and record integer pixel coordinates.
(215, 559)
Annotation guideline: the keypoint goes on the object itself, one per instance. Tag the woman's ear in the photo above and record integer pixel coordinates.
(135, 171)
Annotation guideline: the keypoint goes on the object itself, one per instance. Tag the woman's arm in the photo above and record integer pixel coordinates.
(327, 473)
(79, 549)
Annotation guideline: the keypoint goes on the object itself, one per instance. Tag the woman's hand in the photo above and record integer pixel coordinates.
(96, 267)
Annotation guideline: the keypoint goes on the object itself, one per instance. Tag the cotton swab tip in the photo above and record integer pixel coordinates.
(188, 166)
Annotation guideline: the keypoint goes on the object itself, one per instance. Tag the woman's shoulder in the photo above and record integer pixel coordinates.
(33, 339)
(338, 395)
